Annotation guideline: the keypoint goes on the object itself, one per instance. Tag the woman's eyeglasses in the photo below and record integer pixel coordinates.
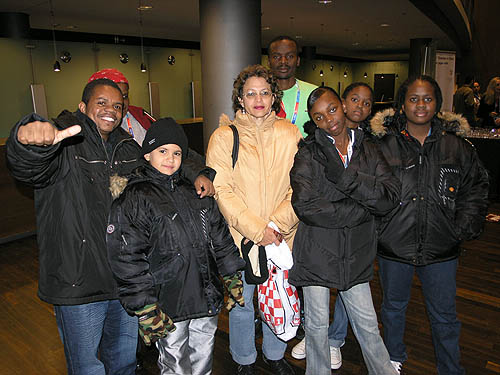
(264, 94)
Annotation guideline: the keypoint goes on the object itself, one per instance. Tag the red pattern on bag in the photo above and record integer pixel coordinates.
(280, 311)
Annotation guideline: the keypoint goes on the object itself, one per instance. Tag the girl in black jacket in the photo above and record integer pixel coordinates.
(443, 202)
(340, 180)
(167, 249)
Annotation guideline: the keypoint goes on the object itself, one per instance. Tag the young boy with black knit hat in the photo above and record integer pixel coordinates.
(167, 249)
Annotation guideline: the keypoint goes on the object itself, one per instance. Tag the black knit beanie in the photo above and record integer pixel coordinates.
(165, 131)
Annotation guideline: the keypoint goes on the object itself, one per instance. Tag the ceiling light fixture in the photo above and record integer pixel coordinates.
(345, 73)
(57, 66)
(365, 75)
(324, 1)
(321, 73)
(143, 66)
(384, 25)
(142, 8)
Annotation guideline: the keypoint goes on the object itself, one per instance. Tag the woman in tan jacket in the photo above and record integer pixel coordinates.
(254, 193)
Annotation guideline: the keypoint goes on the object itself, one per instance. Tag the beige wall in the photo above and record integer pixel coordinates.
(383, 67)
(63, 89)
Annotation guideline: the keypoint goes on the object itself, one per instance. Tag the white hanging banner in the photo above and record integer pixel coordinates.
(445, 77)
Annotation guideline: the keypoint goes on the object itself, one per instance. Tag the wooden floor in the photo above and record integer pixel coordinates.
(29, 341)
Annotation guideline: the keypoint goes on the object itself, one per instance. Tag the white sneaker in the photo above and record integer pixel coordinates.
(335, 358)
(397, 366)
(299, 350)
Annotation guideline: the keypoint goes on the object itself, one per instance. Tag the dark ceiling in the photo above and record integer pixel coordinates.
(366, 29)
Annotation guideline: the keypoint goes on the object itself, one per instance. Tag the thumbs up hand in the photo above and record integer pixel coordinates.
(44, 133)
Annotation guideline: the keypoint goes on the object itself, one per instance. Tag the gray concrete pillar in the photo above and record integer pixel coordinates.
(421, 57)
(230, 40)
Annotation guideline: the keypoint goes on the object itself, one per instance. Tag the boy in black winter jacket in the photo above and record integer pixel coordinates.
(167, 249)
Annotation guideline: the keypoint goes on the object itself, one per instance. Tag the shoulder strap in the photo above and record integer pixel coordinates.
(236, 144)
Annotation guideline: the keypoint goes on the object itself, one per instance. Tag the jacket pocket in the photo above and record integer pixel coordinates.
(168, 270)
(448, 185)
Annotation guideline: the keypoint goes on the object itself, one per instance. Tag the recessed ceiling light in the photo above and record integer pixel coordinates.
(384, 25)
(324, 1)
(298, 36)
(355, 44)
(145, 7)
(71, 27)
(266, 28)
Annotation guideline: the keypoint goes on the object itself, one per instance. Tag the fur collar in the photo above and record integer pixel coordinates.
(451, 122)
(117, 184)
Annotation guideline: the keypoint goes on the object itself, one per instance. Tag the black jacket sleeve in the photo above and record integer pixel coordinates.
(128, 249)
(376, 188)
(194, 165)
(226, 253)
(34, 165)
(472, 200)
(310, 202)
(358, 193)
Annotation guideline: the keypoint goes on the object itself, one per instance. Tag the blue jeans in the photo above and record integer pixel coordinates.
(102, 327)
(439, 290)
(359, 306)
(337, 332)
(242, 332)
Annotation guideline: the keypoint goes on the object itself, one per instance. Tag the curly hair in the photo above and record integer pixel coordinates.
(255, 71)
(489, 95)
(400, 116)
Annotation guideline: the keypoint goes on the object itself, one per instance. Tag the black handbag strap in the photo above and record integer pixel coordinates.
(250, 278)
(236, 144)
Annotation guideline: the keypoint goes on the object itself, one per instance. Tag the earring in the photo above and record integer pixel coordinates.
(243, 110)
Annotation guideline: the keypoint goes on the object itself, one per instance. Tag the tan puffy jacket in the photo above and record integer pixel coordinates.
(258, 189)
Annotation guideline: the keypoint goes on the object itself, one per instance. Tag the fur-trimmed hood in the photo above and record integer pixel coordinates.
(383, 121)
(146, 172)
(117, 184)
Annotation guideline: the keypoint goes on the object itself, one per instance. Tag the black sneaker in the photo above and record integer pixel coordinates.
(279, 367)
(246, 369)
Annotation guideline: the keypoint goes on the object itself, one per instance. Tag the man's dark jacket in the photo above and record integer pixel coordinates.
(72, 202)
(444, 190)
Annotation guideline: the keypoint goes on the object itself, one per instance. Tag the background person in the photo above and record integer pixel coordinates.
(340, 180)
(463, 100)
(283, 52)
(167, 249)
(444, 202)
(254, 193)
(489, 109)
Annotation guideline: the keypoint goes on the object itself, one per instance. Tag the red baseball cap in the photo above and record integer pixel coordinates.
(112, 74)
